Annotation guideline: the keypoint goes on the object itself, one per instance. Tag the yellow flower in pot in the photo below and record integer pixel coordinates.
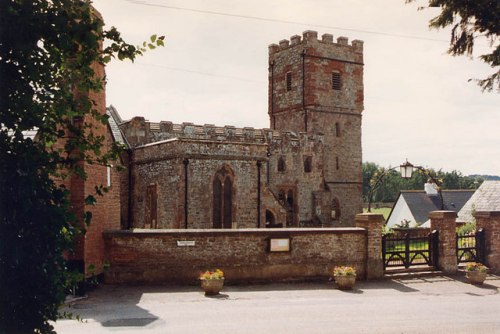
(344, 276)
(212, 281)
(475, 272)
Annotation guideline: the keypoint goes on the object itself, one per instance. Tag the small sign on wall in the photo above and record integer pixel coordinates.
(279, 244)
(185, 243)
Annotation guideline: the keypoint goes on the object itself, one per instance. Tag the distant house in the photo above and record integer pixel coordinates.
(413, 206)
(486, 198)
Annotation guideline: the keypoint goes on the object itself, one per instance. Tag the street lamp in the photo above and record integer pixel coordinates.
(406, 170)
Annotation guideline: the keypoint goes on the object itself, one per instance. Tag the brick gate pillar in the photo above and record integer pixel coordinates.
(490, 222)
(372, 223)
(445, 223)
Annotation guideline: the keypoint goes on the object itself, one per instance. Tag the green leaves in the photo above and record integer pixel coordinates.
(386, 184)
(50, 52)
(155, 42)
(470, 20)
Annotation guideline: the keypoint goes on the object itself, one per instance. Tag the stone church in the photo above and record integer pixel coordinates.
(305, 170)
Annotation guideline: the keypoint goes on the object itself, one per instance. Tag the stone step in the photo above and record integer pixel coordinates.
(402, 272)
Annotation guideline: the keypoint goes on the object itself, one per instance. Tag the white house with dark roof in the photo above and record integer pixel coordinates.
(486, 198)
(413, 206)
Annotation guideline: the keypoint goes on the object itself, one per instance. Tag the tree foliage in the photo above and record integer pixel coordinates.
(387, 183)
(470, 19)
(47, 52)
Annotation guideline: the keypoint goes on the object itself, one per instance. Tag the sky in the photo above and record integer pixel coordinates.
(419, 103)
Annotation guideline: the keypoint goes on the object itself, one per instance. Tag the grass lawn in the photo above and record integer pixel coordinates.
(384, 211)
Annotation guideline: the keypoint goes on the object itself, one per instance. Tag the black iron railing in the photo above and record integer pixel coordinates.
(470, 247)
(410, 251)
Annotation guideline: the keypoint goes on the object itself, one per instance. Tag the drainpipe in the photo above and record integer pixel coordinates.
(186, 163)
(303, 54)
(259, 165)
(268, 165)
(273, 118)
(130, 187)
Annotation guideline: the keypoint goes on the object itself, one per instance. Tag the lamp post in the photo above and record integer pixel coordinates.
(406, 171)
(407, 168)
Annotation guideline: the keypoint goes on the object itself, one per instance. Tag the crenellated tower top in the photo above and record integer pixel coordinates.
(307, 74)
(310, 38)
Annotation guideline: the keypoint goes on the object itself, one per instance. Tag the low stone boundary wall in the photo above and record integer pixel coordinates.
(178, 256)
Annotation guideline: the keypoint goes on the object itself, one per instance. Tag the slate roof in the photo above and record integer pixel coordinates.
(486, 198)
(420, 204)
(114, 120)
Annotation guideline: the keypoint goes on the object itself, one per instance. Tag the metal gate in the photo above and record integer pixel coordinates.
(407, 251)
(470, 247)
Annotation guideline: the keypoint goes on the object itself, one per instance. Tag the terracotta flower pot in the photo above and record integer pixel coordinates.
(212, 286)
(475, 277)
(345, 282)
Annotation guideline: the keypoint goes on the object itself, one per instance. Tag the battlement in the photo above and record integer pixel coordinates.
(310, 37)
(151, 132)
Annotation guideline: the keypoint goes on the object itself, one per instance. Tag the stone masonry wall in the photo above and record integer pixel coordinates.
(154, 256)
(163, 164)
(294, 152)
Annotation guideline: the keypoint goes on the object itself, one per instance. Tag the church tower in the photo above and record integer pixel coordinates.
(316, 86)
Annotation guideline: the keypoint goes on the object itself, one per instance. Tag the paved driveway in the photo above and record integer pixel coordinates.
(423, 305)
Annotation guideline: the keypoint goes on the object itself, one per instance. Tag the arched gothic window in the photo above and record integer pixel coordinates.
(270, 219)
(223, 198)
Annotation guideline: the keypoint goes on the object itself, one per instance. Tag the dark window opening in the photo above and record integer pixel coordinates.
(337, 162)
(288, 81)
(271, 220)
(217, 203)
(290, 212)
(222, 200)
(336, 82)
(228, 200)
(281, 164)
(281, 197)
(307, 164)
(335, 213)
(337, 129)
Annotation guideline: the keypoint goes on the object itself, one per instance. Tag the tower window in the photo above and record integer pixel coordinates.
(307, 164)
(337, 162)
(337, 129)
(281, 164)
(336, 82)
(289, 81)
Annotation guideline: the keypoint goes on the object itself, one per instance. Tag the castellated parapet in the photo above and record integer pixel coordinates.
(310, 38)
(141, 132)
